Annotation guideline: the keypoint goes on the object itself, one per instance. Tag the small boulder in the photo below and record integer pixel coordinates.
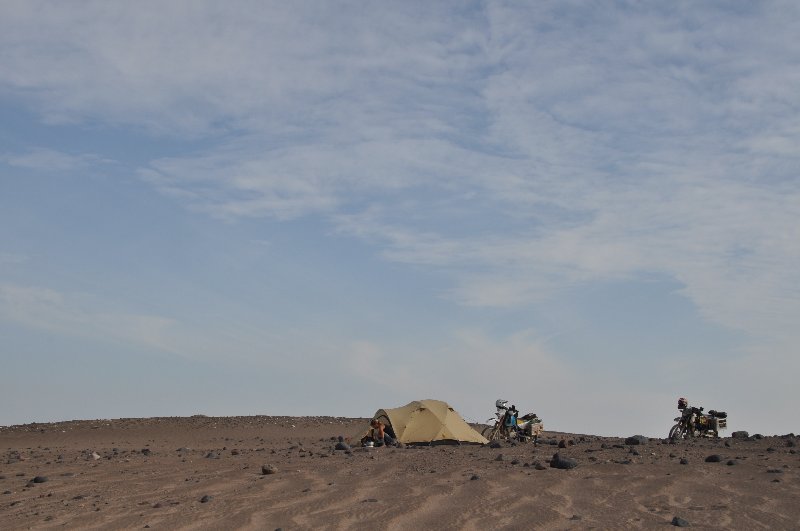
(268, 469)
(714, 458)
(564, 463)
(636, 439)
(740, 434)
(680, 522)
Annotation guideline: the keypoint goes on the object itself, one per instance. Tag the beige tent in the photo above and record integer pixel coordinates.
(426, 421)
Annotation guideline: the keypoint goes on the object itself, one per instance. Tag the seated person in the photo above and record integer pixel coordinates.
(381, 434)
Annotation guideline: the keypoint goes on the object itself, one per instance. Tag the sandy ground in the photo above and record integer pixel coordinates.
(209, 473)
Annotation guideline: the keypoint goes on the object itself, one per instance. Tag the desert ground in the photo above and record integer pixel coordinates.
(285, 473)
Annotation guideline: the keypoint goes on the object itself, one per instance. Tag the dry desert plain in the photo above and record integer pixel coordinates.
(271, 473)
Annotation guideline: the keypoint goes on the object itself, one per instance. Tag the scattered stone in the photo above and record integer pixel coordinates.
(790, 443)
(740, 435)
(774, 471)
(636, 439)
(575, 517)
(95, 456)
(370, 500)
(146, 451)
(680, 522)
(268, 469)
(564, 463)
(212, 455)
(714, 458)
(499, 457)
(562, 443)
(495, 444)
(40, 479)
(684, 461)
(206, 499)
(732, 462)
(538, 465)
(474, 477)
(341, 445)
(758, 436)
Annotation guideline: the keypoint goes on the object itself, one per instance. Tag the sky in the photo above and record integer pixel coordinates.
(588, 209)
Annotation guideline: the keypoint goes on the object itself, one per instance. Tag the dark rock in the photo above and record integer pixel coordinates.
(40, 479)
(575, 517)
(790, 443)
(732, 462)
(758, 436)
(636, 439)
(499, 457)
(680, 522)
(474, 477)
(206, 499)
(515, 462)
(774, 471)
(146, 451)
(564, 463)
(684, 461)
(714, 458)
(562, 443)
(268, 469)
(495, 444)
(538, 465)
(341, 445)
(740, 435)
(370, 500)
(212, 455)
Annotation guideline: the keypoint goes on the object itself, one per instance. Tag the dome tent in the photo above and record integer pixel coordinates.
(428, 421)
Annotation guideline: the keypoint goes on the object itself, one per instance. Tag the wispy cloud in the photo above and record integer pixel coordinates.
(519, 150)
(51, 311)
(51, 161)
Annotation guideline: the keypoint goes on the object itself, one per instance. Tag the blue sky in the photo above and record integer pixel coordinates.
(586, 208)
